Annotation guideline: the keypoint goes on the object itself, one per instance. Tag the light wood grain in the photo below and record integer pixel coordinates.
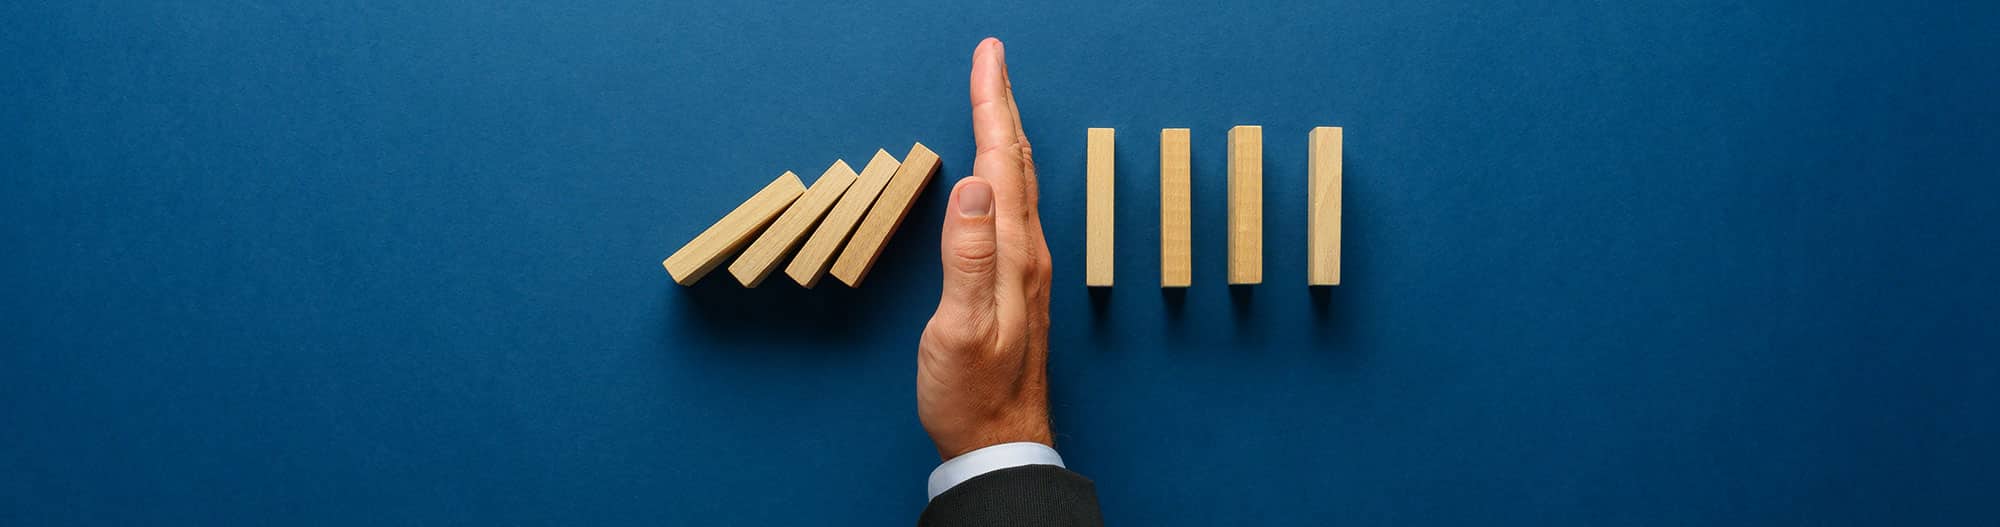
(880, 224)
(1323, 207)
(820, 249)
(728, 235)
(1246, 205)
(1176, 220)
(763, 255)
(1099, 207)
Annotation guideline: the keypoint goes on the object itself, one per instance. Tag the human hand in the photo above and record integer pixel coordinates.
(982, 365)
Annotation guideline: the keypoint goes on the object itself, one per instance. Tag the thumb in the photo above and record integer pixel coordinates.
(968, 249)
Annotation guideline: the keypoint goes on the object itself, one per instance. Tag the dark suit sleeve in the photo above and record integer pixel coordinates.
(1024, 495)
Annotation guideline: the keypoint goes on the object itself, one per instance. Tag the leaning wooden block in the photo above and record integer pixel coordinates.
(790, 228)
(1246, 205)
(817, 254)
(875, 229)
(1176, 243)
(1323, 207)
(729, 234)
(1098, 208)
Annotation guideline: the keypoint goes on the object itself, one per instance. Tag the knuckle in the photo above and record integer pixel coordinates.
(998, 147)
(935, 332)
(1035, 259)
(1032, 261)
(957, 331)
(987, 104)
(976, 248)
(972, 258)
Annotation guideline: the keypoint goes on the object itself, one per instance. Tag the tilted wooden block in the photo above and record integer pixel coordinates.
(1246, 205)
(880, 224)
(790, 228)
(1176, 242)
(817, 254)
(1099, 208)
(1323, 207)
(728, 235)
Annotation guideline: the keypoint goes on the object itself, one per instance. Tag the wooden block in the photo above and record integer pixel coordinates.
(1099, 208)
(790, 228)
(1246, 205)
(817, 254)
(1176, 242)
(728, 235)
(1323, 207)
(880, 224)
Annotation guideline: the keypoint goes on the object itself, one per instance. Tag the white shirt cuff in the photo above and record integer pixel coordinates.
(979, 462)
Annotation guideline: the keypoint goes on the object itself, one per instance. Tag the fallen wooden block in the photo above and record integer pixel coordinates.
(1323, 207)
(1099, 208)
(1176, 243)
(880, 224)
(790, 228)
(819, 250)
(728, 235)
(1246, 205)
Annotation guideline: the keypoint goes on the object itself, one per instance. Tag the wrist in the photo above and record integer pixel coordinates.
(1026, 429)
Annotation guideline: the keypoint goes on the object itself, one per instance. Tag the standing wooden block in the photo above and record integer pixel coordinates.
(880, 224)
(1323, 207)
(1176, 242)
(1099, 208)
(728, 235)
(790, 228)
(1246, 205)
(818, 252)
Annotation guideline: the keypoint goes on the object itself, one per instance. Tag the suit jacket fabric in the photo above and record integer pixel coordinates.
(1024, 495)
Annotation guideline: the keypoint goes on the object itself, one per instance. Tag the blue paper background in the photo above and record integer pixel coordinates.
(355, 263)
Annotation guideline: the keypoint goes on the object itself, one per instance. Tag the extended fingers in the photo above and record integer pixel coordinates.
(996, 128)
(994, 122)
(1028, 181)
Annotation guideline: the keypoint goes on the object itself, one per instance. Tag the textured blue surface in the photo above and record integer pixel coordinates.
(1661, 263)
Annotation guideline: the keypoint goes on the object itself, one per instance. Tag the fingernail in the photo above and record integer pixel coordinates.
(975, 199)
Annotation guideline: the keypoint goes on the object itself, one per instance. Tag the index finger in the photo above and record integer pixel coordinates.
(994, 123)
(996, 131)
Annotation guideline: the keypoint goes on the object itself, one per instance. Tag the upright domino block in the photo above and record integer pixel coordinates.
(875, 229)
(790, 228)
(1176, 243)
(817, 254)
(712, 246)
(1323, 207)
(1099, 209)
(1246, 205)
